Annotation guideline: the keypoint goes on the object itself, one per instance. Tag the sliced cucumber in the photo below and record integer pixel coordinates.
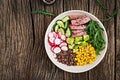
(56, 28)
(68, 32)
(66, 24)
(66, 18)
(53, 28)
(61, 30)
(60, 23)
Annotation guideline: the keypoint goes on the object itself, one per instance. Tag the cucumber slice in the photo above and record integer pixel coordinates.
(60, 23)
(68, 32)
(61, 30)
(66, 18)
(66, 24)
(55, 27)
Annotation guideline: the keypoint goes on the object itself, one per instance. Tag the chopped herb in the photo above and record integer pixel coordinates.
(42, 12)
(115, 12)
(100, 4)
(96, 38)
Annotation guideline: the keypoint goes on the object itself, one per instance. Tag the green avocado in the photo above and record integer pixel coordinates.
(86, 37)
(70, 40)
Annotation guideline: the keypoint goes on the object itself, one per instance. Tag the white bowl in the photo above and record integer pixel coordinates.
(74, 69)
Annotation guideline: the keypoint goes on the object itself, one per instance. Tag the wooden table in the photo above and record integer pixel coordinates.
(22, 52)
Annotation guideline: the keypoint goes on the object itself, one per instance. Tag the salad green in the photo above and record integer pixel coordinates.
(96, 38)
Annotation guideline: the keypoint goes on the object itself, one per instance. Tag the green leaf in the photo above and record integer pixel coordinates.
(96, 39)
(100, 4)
(115, 12)
(44, 12)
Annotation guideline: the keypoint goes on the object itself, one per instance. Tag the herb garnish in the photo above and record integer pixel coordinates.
(100, 4)
(108, 17)
(96, 38)
(42, 12)
(115, 12)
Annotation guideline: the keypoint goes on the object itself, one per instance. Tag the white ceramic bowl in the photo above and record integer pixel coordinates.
(74, 69)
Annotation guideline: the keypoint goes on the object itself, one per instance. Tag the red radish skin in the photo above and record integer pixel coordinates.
(57, 41)
(63, 37)
(59, 34)
(51, 44)
(54, 34)
(63, 44)
(52, 40)
(57, 50)
(52, 48)
(50, 35)
(64, 48)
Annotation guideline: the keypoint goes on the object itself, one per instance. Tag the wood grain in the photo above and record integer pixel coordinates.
(22, 52)
(16, 39)
(117, 26)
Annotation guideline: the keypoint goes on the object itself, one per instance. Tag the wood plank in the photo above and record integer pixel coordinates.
(118, 43)
(45, 69)
(37, 69)
(105, 70)
(76, 5)
(16, 39)
(53, 72)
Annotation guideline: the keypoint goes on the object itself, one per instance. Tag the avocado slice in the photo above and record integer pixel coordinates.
(70, 40)
(86, 37)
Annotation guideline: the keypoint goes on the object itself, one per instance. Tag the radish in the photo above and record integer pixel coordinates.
(52, 39)
(57, 41)
(56, 50)
(50, 35)
(63, 44)
(59, 34)
(64, 48)
(63, 37)
(52, 48)
(50, 43)
(55, 34)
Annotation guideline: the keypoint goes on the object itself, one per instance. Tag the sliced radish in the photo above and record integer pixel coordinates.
(59, 34)
(55, 34)
(57, 41)
(63, 37)
(51, 35)
(52, 39)
(56, 50)
(52, 48)
(64, 48)
(50, 43)
(63, 44)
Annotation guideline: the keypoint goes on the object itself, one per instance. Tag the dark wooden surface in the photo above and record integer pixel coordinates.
(22, 52)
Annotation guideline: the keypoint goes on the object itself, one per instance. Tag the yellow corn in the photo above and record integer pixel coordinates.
(85, 55)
